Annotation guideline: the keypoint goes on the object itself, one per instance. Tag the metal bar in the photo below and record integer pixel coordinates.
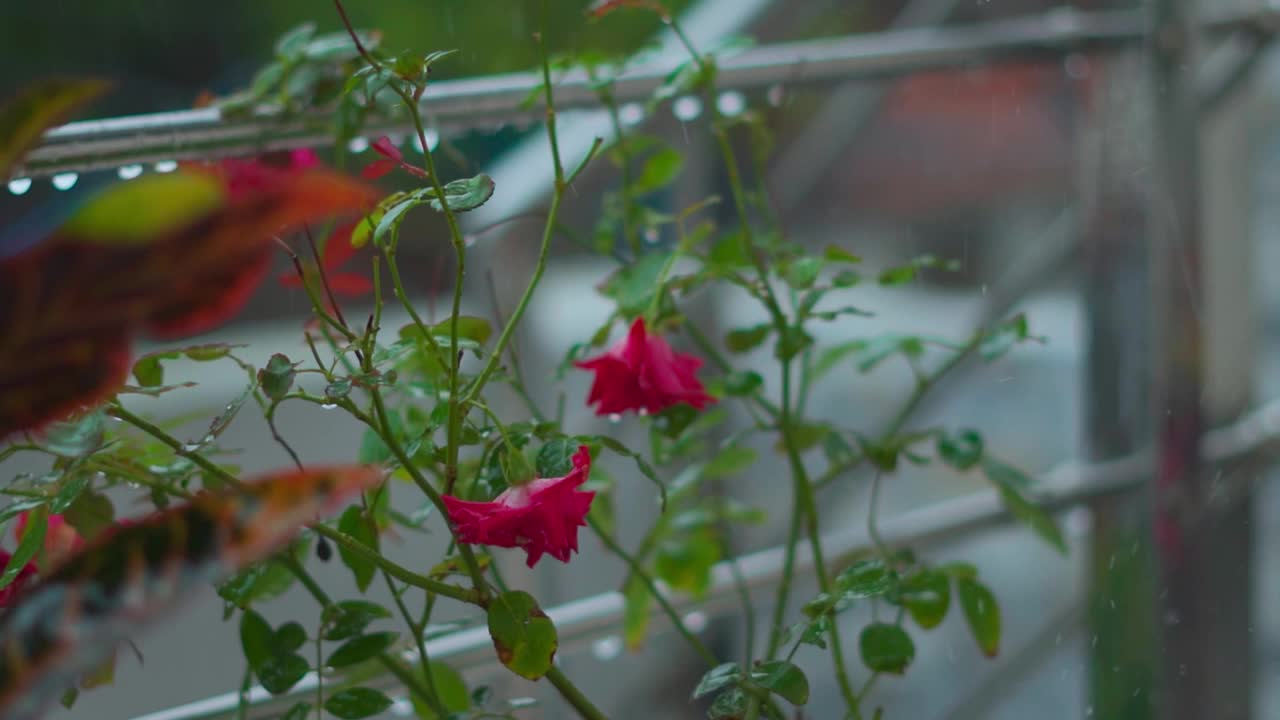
(1064, 487)
(98, 144)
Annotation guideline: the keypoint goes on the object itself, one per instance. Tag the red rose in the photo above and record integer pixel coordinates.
(541, 517)
(643, 373)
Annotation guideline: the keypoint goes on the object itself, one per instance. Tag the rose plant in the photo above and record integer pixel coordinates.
(494, 481)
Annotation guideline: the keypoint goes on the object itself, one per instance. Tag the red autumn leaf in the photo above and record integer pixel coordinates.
(132, 575)
(70, 306)
(540, 517)
(391, 159)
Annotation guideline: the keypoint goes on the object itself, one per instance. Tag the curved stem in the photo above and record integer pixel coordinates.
(574, 696)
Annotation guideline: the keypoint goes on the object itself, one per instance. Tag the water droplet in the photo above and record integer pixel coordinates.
(652, 236)
(402, 707)
(631, 114)
(165, 166)
(128, 172)
(358, 144)
(731, 103)
(607, 648)
(433, 139)
(1171, 617)
(328, 406)
(469, 240)
(65, 181)
(1182, 669)
(696, 621)
(18, 186)
(191, 447)
(522, 702)
(686, 108)
(776, 95)
(615, 418)
(1088, 712)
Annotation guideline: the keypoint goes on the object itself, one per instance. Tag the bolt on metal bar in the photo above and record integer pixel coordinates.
(469, 103)
(1068, 485)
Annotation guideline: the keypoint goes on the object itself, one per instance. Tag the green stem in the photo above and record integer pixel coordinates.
(118, 411)
(429, 681)
(636, 570)
(572, 695)
(395, 570)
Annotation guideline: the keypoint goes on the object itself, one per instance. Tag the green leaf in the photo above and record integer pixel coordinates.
(886, 648)
(744, 339)
(868, 578)
(70, 489)
(1002, 339)
(299, 711)
(659, 170)
(523, 636)
(961, 451)
(358, 525)
(147, 371)
(294, 41)
(635, 612)
(835, 253)
(1010, 482)
(276, 379)
(146, 208)
(90, 513)
(37, 107)
(729, 253)
(729, 705)
(783, 679)
(76, 438)
(846, 279)
(717, 677)
(730, 461)
(555, 458)
(356, 703)
(69, 697)
(475, 329)
(685, 563)
(793, 341)
(463, 195)
(743, 382)
(351, 617)
(803, 272)
(31, 543)
(982, 613)
(450, 688)
(289, 637)
(263, 581)
(927, 596)
(633, 286)
(257, 641)
(359, 649)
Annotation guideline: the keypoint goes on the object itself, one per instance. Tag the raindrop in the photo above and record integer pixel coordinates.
(328, 406)
(696, 621)
(615, 418)
(631, 114)
(607, 648)
(469, 240)
(191, 447)
(522, 702)
(18, 186)
(129, 172)
(652, 236)
(401, 707)
(433, 139)
(686, 108)
(358, 144)
(731, 103)
(65, 181)
(776, 95)
(165, 166)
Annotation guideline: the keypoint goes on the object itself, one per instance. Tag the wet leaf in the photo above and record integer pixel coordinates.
(982, 613)
(351, 617)
(658, 171)
(927, 596)
(716, 678)
(450, 688)
(463, 195)
(635, 612)
(276, 379)
(359, 649)
(729, 705)
(783, 679)
(30, 545)
(1010, 482)
(962, 451)
(356, 703)
(744, 339)
(886, 648)
(355, 523)
(523, 636)
(868, 578)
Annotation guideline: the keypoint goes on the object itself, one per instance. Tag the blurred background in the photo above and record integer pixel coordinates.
(1034, 173)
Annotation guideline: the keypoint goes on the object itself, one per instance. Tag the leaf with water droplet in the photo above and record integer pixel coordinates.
(523, 636)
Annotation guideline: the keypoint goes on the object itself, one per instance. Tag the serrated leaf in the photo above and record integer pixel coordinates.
(356, 703)
(784, 679)
(1010, 483)
(717, 677)
(351, 617)
(523, 636)
(463, 195)
(359, 649)
(981, 613)
(927, 596)
(886, 648)
(355, 523)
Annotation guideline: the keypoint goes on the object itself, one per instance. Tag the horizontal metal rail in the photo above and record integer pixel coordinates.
(1066, 486)
(469, 103)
